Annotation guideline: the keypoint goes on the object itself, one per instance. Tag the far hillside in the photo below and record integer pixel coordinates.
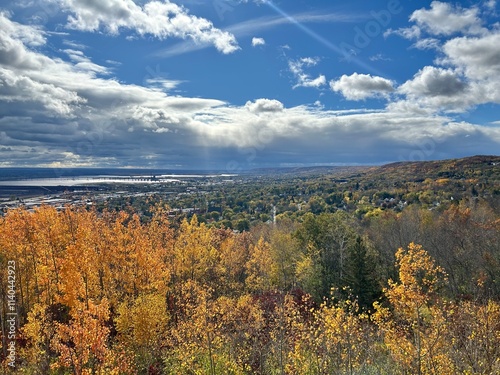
(478, 167)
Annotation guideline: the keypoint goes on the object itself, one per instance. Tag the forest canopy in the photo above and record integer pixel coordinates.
(107, 292)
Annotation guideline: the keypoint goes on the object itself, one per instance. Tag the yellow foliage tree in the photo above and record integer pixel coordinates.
(259, 267)
(142, 326)
(414, 327)
(336, 341)
(197, 342)
(196, 257)
(38, 331)
(474, 337)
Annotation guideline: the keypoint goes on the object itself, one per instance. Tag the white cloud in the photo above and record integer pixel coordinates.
(30, 95)
(412, 32)
(60, 108)
(441, 20)
(479, 58)
(32, 36)
(162, 83)
(428, 43)
(362, 86)
(468, 65)
(309, 135)
(470, 76)
(74, 45)
(303, 79)
(444, 19)
(254, 1)
(264, 105)
(379, 57)
(258, 42)
(315, 83)
(491, 4)
(258, 25)
(83, 63)
(160, 19)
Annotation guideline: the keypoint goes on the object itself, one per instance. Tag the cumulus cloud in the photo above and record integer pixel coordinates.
(264, 105)
(362, 86)
(478, 57)
(445, 19)
(32, 96)
(303, 79)
(441, 20)
(440, 89)
(258, 42)
(160, 19)
(470, 75)
(432, 81)
(467, 69)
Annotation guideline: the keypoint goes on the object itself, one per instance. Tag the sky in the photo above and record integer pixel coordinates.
(239, 84)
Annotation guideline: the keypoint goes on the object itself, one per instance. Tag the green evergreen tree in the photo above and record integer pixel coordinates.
(328, 236)
(360, 274)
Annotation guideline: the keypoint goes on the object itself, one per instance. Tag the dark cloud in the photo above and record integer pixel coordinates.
(431, 81)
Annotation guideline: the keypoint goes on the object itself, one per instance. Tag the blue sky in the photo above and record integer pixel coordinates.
(239, 84)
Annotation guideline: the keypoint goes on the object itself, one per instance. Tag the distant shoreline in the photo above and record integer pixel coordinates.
(72, 177)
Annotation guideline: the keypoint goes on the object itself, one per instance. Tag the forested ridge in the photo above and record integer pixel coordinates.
(249, 199)
(415, 291)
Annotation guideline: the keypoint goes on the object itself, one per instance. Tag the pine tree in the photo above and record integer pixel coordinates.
(360, 276)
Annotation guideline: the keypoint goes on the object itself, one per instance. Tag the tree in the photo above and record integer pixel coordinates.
(330, 235)
(317, 205)
(414, 326)
(360, 275)
(338, 340)
(142, 328)
(259, 267)
(473, 335)
(243, 225)
(82, 344)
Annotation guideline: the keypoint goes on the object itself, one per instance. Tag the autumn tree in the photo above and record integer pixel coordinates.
(197, 342)
(142, 326)
(413, 326)
(259, 267)
(83, 345)
(473, 336)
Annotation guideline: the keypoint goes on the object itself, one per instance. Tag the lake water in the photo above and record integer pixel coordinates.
(75, 177)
